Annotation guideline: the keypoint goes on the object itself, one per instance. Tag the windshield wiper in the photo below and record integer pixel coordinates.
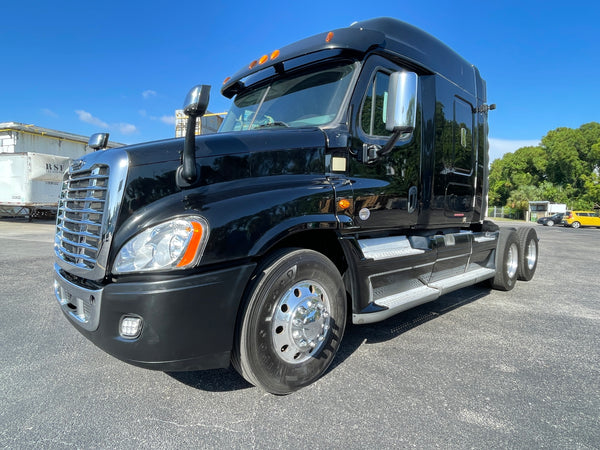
(273, 124)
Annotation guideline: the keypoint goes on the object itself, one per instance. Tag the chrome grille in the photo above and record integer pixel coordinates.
(81, 209)
(88, 208)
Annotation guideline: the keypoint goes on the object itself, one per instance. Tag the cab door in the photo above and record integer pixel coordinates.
(386, 188)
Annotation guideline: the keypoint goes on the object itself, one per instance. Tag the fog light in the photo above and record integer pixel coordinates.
(130, 327)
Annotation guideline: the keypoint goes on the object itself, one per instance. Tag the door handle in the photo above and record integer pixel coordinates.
(370, 153)
(412, 199)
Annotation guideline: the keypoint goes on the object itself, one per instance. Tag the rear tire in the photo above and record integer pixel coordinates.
(550, 223)
(575, 225)
(528, 241)
(292, 322)
(507, 260)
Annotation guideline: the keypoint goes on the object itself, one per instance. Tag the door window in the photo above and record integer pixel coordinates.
(374, 105)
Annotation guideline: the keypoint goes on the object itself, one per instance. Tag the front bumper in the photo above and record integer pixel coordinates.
(188, 322)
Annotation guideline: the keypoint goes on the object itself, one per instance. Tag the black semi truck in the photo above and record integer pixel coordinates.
(347, 183)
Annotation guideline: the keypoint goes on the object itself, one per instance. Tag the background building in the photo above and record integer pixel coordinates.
(208, 124)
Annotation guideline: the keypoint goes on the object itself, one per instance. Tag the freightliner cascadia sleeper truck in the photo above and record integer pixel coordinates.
(347, 183)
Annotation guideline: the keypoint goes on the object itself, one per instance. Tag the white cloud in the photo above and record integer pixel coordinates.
(86, 117)
(169, 120)
(48, 112)
(498, 147)
(143, 112)
(121, 127)
(127, 128)
(148, 93)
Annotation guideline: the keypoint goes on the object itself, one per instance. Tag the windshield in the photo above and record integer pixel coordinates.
(309, 99)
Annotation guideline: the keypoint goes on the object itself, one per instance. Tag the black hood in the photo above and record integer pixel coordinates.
(224, 144)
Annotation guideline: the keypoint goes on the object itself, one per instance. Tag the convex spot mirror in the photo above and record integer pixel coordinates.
(401, 112)
(98, 141)
(196, 101)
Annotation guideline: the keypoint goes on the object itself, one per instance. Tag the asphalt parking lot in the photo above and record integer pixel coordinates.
(475, 369)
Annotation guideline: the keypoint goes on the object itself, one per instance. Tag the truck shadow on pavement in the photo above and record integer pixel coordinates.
(224, 380)
(358, 335)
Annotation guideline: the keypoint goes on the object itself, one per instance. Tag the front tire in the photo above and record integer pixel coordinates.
(550, 223)
(292, 322)
(507, 260)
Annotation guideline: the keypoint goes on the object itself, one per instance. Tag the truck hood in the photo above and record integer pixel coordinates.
(224, 144)
(222, 159)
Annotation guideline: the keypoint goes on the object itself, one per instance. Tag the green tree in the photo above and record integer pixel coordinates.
(564, 147)
(520, 197)
(526, 166)
(592, 190)
(565, 167)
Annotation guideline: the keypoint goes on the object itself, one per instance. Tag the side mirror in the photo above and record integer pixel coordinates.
(401, 113)
(401, 110)
(195, 105)
(196, 101)
(98, 141)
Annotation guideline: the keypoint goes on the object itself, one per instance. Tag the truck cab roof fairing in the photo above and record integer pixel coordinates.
(408, 41)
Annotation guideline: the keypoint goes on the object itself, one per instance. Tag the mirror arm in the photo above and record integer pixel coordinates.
(188, 168)
(389, 145)
(194, 107)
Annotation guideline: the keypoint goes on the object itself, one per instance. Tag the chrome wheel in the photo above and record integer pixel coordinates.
(512, 260)
(292, 322)
(508, 260)
(528, 241)
(531, 254)
(301, 321)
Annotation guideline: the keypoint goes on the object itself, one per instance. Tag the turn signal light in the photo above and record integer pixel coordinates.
(192, 249)
(344, 203)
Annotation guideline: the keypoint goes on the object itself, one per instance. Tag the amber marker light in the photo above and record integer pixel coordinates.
(226, 80)
(329, 36)
(263, 59)
(192, 249)
(253, 64)
(344, 203)
(274, 55)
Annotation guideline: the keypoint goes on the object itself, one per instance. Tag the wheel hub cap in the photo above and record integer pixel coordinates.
(531, 254)
(301, 322)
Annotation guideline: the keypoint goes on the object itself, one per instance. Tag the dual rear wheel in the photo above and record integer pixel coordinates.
(516, 257)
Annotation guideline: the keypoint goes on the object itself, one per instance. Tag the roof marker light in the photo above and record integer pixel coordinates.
(329, 36)
(275, 54)
(253, 64)
(226, 80)
(263, 59)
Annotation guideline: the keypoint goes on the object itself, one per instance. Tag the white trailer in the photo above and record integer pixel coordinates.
(30, 182)
(32, 163)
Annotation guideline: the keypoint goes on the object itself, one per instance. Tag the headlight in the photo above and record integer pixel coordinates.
(176, 244)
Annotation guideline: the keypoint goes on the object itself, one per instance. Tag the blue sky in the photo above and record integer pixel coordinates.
(125, 66)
